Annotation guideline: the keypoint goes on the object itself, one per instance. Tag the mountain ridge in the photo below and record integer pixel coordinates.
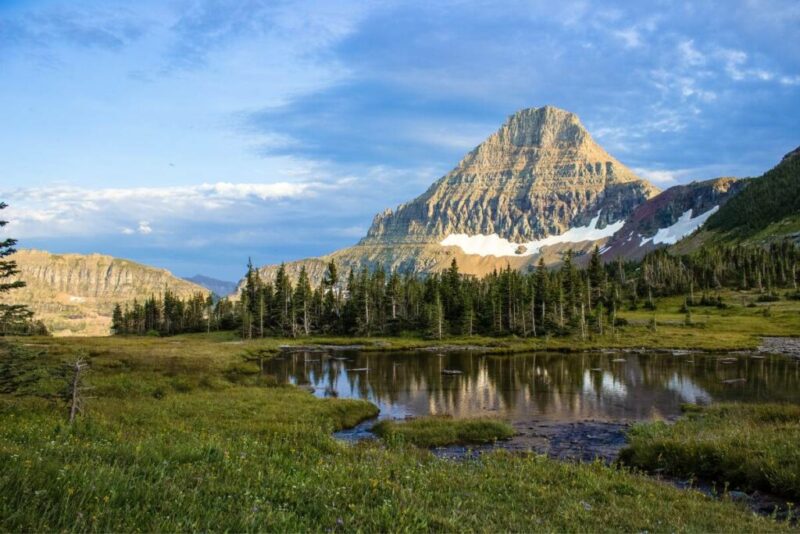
(74, 294)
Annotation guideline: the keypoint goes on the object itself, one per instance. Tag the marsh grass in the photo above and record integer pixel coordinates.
(742, 446)
(182, 435)
(442, 431)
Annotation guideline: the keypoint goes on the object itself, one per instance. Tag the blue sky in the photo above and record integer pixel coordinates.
(193, 134)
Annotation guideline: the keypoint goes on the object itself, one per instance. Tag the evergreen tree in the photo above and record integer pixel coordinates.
(331, 301)
(14, 318)
(303, 296)
(283, 302)
(117, 320)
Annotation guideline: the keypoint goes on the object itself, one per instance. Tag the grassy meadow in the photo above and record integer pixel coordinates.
(750, 447)
(186, 433)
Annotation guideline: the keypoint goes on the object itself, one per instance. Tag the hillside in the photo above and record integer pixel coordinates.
(769, 200)
(74, 294)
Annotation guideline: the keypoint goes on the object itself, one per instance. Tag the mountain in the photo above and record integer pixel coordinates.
(221, 288)
(536, 187)
(767, 210)
(670, 216)
(539, 175)
(769, 207)
(74, 294)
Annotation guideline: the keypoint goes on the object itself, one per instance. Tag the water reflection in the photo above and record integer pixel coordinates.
(545, 386)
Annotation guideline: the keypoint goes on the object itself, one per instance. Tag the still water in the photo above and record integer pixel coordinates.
(541, 386)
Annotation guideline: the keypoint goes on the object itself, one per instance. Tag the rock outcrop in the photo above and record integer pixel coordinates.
(669, 217)
(74, 294)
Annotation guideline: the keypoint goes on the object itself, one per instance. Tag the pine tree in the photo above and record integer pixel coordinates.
(331, 301)
(14, 318)
(117, 320)
(303, 295)
(597, 276)
(283, 302)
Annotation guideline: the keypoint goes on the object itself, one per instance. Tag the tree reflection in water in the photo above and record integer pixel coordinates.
(546, 386)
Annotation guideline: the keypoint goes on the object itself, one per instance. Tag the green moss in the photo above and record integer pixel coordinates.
(443, 431)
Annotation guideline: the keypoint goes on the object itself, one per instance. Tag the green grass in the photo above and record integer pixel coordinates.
(442, 431)
(751, 447)
(184, 434)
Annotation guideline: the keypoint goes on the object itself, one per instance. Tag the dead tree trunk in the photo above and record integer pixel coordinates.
(76, 388)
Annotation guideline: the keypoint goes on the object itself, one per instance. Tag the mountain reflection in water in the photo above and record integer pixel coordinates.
(545, 386)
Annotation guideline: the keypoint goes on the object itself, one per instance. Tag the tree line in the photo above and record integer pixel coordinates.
(541, 301)
(168, 314)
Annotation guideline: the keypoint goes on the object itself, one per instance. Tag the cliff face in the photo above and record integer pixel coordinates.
(667, 218)
(75, 294)
(540, 174)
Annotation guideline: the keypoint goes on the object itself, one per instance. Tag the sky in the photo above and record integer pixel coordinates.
(194, 134)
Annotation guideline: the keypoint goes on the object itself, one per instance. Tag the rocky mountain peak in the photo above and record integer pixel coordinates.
(539, 174)
(541, 127)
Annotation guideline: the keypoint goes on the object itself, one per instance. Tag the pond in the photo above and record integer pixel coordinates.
(558, 402)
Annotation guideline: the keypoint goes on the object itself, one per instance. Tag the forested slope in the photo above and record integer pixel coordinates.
(768, 199)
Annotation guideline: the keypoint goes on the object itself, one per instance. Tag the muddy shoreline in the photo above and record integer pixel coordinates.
(786, 346)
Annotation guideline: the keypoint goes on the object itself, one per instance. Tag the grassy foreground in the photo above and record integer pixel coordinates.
(442, 431)
(184, 434)
(746, 446)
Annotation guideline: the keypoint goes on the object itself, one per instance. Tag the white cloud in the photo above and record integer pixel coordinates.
(670, 177)
(68, 210)
(689, 54)
(630, 37)
(145, 228)
(738, 67)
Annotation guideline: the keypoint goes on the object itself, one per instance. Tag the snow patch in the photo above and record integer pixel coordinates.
(494, 245)
(684, 226)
